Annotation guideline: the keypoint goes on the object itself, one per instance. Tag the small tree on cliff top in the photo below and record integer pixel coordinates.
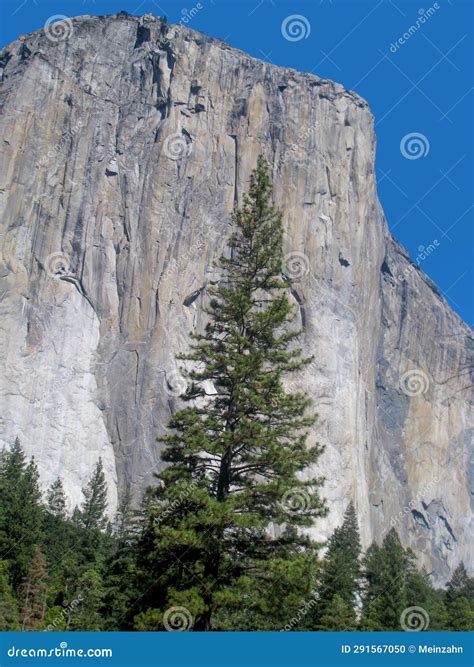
(235, 455)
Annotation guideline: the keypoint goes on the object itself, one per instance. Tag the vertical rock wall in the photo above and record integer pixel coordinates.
(125, 146)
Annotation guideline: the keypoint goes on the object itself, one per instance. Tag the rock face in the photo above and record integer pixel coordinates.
(126, 144)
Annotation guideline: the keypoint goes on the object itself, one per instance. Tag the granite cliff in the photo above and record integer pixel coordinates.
(125, 144)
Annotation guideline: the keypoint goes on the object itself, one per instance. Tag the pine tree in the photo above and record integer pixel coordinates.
(57, 529)
(460, 615)
(125, 520)
(62, 545)
(9, 616)
(120, 566)
(420, 593)
(340, 571)
(386, 570)
(236, 453)
(21, 513)
(90, 593)
(338, 615)
(57, 499)
(34, 593)
(460, 585)
(279, 599)
(460, 600)
(93, 511)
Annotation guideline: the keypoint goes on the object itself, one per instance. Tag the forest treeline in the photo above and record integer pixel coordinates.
(221, 541)
(84, 572)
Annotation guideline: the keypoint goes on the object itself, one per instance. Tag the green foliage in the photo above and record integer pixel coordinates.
(21, 515)
(125, 582)
(9, 615)
(34, 593)
(461, 616)
(271, 599)
(93, 511)
(460, 600)
(57, 499)
(235, 455)
(89, 594)
(338, 615)
(222, 534)
(120, 567)
(420, 593)
(386, 571)
(339, 575)
(461, 585)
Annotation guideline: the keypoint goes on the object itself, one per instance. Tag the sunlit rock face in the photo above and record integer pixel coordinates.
(126, 144)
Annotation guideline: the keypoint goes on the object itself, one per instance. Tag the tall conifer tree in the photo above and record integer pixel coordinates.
(386, 571)
(34, 594)
(93, 512)
(57, 499)
(339, 575)
(236, 454)
(21, 513)
(9, 617)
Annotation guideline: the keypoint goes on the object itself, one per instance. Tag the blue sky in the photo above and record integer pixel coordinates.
(423, 86)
